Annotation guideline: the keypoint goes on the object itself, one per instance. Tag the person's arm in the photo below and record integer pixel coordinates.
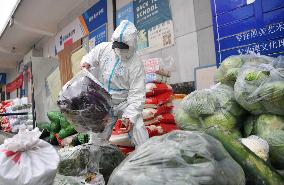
(93, 57)
(136, 95)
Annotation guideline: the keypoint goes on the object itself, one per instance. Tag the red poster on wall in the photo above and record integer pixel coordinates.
(17, 83)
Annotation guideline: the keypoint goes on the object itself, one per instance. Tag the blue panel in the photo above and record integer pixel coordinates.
(236, 15)
(2, 78)
(237, 28)
(274, 16)
(227, 5)
(240, 28)
(269, 5)
(96, 16)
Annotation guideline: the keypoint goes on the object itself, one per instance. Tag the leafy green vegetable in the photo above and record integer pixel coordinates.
(185, 121)
(229, 69)
(260, 89)
(271, 128)
(68, 131)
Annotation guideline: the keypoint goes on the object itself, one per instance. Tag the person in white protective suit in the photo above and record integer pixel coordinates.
(121, 72)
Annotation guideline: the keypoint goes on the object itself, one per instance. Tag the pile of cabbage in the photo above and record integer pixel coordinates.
(248, 100)
(214, 107)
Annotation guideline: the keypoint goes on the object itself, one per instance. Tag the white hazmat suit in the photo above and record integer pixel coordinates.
(122, 74)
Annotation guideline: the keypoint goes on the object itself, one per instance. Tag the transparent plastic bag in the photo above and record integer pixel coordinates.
(89, 158)
(229, 69)
(158, 65)
(210, 107)
(85, 103)
(260, 88)
(179, 158)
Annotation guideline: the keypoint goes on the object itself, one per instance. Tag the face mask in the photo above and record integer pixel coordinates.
(123, 53)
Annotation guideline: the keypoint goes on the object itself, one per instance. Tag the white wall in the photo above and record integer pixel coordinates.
(194, 40)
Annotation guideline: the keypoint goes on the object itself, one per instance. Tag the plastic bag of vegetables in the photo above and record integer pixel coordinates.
(210, 107)
(85, 103)
(229, 69)
(259, 89)
(89, 158)
(180, 157)
(271, 128)
(88, 179)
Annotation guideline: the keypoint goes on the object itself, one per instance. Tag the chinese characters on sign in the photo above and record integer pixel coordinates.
(98, 36)
(254, 33)
(263, 47)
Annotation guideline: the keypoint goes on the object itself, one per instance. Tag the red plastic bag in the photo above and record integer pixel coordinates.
(164, 118)
(118, 137)
(153, 89)
(151, 113)
(155, 101)
(154, 130)
(126, 150)
(168, 127)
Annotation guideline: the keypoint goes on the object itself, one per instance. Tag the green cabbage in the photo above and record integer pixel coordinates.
(249, 126)
(185, 121)
(260, 89)
(271, 128)
(211, 107)
(229, 69)
(222, 120)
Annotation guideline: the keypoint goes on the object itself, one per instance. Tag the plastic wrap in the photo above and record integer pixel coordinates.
(89, 158)
(157, 66)
(179, 158)
(85, 103)
(210, 107)
(259, 89)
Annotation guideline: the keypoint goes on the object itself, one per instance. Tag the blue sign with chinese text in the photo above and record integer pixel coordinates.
(245, 26)
(99, 35)
(96, 16)
(125, 13)
(2, 78)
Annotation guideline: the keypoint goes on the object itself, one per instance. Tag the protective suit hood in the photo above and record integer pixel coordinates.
(126, 32)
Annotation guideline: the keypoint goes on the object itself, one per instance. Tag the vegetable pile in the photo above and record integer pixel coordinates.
(210, 107)
(179, 157)
(248, 101)
(89, 158)
(58, 128)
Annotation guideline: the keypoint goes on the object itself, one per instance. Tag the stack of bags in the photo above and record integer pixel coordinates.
(157, 113)
(20, 105)
(4, 121)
